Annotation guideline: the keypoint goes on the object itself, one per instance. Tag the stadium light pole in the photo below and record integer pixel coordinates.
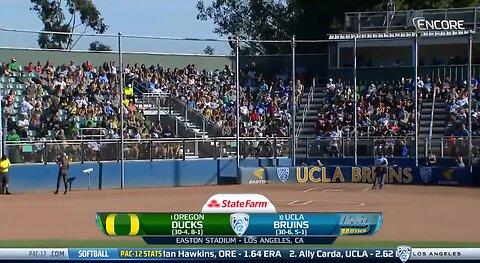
(470, 153)
(237, 87)
(122, 139)
(294, 107)
(415, 89)
(355, 146)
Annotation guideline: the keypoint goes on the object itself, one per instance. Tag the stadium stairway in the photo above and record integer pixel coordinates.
(306, 123)
(182, 127)
(438, 127)
(175, 117)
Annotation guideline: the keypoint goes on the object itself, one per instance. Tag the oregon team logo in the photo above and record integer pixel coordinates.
(122, 224)
(426, 174)
(239, 223)
(283, 173)
(404, 252)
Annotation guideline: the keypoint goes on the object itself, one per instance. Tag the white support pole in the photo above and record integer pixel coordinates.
(122, 139)
(237, 109)
(470, 106)
(355, 100)
(415, 90)
(294, 108)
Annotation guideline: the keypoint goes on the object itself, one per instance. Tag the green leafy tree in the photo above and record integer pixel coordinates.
(254, 19)
(97, 46)
(307, 19)
(66, 17)
(209, 50)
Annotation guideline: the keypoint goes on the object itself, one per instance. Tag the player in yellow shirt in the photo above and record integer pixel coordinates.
(4, 165)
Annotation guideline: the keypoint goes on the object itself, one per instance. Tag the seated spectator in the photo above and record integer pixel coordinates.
(459, 161)
(13, 66)
(13, 136)
(23, 125)
(432, 159)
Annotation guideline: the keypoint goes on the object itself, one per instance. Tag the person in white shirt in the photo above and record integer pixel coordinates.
(25, 107)
(23, 125)
(60, 82)
(81, 102)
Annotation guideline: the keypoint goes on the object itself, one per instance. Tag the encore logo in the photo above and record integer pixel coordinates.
(237, 204)
(423, 24)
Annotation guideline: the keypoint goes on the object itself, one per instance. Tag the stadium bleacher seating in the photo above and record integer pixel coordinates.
(49, 102)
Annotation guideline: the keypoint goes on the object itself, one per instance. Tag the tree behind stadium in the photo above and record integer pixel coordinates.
(78, 13)
(307, 19)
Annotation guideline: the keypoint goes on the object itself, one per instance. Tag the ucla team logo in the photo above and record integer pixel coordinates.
(404, 252)
(239, 223)
(426, 174)
(283, 173)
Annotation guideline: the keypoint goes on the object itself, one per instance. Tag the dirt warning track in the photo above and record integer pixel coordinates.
(411, 213)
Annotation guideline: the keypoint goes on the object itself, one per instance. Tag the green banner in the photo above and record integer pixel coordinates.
(174, 224)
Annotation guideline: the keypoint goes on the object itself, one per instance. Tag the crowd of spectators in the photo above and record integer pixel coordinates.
(383, 111)
(265, 101)
(71, 102)
(457, 101)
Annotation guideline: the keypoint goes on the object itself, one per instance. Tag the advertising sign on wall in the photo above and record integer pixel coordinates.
(340, 174)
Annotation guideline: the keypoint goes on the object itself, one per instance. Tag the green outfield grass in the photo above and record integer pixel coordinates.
(140, 244)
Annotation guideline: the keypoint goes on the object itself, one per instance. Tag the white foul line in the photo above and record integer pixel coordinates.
(367, 189)
(332, 190)
(310, 189)
(299, 203)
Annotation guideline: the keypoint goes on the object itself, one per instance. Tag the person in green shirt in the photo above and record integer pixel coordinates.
(13, 136)
(13, 65)
(14, 149)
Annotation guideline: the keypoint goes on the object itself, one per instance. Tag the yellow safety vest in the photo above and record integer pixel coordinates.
(4, 165)
(128, 91)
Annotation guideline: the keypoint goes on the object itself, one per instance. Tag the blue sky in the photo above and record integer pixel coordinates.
(169, 18)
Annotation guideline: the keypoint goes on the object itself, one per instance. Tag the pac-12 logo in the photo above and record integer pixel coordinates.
(239, 223)
(426, 174)
(283, 173)
(404, 252)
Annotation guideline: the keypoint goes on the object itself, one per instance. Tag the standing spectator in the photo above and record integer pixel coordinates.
(4, 166)
(25, 107)
(63, 167)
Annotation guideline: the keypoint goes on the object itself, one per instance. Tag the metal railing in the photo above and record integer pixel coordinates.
(172, 104)
(305, 110)
(95, 150)
(382, 21)
(458, 146)
(432, 115)
(47, 151)
(326, 147)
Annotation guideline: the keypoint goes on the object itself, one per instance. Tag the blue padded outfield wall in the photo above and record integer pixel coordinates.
(138, 174)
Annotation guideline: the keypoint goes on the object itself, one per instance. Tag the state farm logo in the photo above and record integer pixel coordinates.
(422, 24)
(213, 204)
(237, 204)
